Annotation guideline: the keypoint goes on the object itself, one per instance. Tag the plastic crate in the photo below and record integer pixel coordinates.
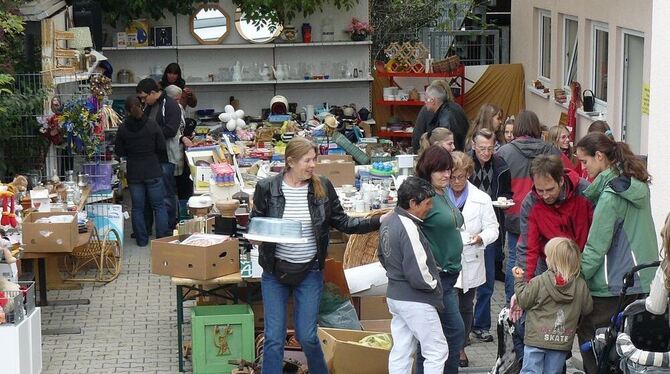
(221, 333)
(23, 302)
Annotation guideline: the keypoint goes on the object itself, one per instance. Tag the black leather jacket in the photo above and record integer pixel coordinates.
(325, 213)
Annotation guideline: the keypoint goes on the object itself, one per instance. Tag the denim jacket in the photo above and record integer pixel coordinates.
(325, 213)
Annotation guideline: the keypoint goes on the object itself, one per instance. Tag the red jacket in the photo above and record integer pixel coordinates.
(570, 217)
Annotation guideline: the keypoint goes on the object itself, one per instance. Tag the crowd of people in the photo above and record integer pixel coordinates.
(445, 243)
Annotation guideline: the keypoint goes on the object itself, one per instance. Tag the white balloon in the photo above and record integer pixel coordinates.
(231, 125)
(239, 113)
(229, 109)
(240, 123)
(224, 117)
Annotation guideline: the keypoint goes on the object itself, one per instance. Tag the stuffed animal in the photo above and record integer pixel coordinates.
(8, 216)
(5, 253)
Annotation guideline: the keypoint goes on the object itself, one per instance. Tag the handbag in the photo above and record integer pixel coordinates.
(588, 101)
(291, 273)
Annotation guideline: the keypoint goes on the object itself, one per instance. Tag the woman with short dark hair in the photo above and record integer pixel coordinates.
(441, 227)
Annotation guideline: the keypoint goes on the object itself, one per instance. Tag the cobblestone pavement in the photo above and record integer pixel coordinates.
(130, 325)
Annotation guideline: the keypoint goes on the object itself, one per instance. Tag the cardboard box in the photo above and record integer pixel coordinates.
(339, 173)
(49, 237)
(345, 357)
(194, 262)
(373, 308)
(334, 158)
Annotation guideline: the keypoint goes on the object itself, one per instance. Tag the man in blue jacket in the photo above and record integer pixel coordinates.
(414, 291)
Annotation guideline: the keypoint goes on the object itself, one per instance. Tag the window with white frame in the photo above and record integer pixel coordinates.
(600, 37)
(544, 68)
(570, 41)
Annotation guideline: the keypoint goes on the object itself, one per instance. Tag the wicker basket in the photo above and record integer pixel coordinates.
(447, 65)
(362, 248)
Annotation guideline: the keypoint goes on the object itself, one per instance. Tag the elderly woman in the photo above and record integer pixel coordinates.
(440, 110)
(480, 230)
(441, 227)
(298, 194)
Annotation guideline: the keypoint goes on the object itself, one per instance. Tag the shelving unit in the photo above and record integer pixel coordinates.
(458, 78)
(240, 46)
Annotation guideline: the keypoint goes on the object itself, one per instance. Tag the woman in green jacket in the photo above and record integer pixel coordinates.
(441, 227)
(622, 234)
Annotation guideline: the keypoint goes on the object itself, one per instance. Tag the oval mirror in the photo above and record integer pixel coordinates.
(210, 24)
(247, 30)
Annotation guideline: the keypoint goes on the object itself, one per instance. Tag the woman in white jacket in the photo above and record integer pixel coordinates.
(480, 229)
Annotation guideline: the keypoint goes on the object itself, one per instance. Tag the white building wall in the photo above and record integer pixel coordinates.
(617, 14)
(659, 115)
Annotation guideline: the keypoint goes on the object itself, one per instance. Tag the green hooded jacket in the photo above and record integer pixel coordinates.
(622, 235)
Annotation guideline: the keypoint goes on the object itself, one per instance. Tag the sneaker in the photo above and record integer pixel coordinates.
(482, 335)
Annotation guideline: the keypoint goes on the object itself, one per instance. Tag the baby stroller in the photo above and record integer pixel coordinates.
(636, 341)
(506, 361)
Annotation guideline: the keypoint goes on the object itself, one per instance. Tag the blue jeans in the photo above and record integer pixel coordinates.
(170, 198)
(452, 325)
(540, 360)
(148, 192)
(511, 262)
(306, 298)
(482, 319)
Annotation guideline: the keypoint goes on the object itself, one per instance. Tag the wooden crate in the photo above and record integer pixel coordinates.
(221, 333)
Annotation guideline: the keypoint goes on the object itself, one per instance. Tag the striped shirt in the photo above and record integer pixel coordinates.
(296, 208)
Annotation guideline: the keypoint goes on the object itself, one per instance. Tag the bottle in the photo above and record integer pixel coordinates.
(306, 33)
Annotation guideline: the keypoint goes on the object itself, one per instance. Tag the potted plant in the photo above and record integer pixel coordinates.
(359, 30)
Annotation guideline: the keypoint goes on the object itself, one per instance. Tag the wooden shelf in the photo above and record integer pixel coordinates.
(239, 46)
(273, 81)
(455, 73)
(401, 102)
(394, 134)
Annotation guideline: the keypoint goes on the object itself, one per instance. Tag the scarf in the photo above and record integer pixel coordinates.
(460, 202)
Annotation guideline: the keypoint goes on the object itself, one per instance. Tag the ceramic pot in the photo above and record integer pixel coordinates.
(359, 36)
(227, 208)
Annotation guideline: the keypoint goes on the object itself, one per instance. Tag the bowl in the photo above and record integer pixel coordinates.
(227, 208)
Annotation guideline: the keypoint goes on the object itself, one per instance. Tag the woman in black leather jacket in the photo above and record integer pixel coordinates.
(298, 194)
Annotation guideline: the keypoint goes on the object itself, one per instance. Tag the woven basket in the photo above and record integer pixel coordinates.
(362, 248)
(447, 65)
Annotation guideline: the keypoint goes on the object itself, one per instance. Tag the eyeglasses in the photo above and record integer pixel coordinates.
(484, 149)
(458, 177)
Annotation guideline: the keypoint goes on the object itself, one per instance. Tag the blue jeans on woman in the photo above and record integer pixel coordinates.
(482, 319)
(452, 325)
(148, 192)
(306, 298)
(511, 263)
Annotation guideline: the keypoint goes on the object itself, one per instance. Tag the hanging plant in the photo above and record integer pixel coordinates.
(77, 128)
(272, 12)
(121, 12)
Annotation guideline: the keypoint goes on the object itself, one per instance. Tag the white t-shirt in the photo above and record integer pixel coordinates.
(296, 208)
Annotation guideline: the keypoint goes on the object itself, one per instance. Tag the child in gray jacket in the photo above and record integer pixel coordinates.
(414, 292)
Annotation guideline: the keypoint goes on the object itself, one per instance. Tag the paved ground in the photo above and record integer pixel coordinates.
(130, 325)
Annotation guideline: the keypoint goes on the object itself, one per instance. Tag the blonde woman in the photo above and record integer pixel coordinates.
(441, 136)
(657, 301)
(298, 194)
(559, 136)
(480, 230)
(554, 303)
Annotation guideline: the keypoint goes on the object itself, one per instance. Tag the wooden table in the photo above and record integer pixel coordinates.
(49, 273)
(192, 288)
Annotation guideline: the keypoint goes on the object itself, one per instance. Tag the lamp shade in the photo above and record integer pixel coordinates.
(82, 38)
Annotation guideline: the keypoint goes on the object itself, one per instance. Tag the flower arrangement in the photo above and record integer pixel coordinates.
(359, 30)
(78, 126)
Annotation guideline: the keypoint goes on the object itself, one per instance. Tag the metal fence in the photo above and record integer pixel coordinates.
(474, 47)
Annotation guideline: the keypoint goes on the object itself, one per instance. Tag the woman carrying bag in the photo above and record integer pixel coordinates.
(299, 194)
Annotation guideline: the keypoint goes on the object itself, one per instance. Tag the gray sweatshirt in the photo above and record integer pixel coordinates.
(410, 266)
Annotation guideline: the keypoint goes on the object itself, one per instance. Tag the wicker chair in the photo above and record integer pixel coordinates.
(101, 256)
